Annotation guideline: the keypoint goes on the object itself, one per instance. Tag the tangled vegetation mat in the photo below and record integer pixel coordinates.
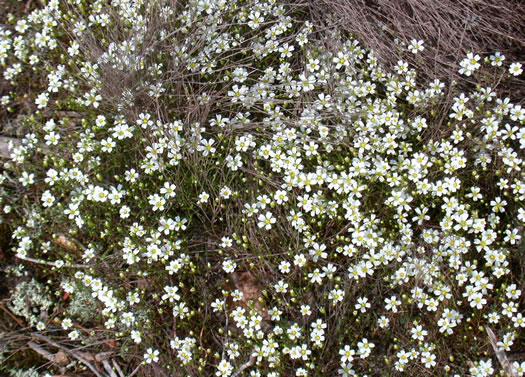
(262, 188)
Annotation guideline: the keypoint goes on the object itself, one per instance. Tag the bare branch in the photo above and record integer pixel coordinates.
(71, 352)
(244, 366)
(500, 354)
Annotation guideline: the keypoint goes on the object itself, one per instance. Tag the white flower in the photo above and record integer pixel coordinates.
(135, 336)
(519, 368)
(229, 266)
(237, 295)
(151, 355)
(428, 359)
(305, 310)
(284, 267)
(107, 145)
(266, 220)
(144, 120)
(124, 212)
(281, 286)
(392, 303)
(497, 59)
(365, 347)
(203, 197)
(21, 26)
(206, 147)
(299, 260)
(286, 50)
(234, 162)
(180, 223)
(52, 138)
(73, 335)
(515, 69)
(226, 241)
(318, 251)
(66, 323)
(224, 369)
(469, 64)
(346, 370)
(74, 49)
(280, 196)
(255, 20)
(168, 190)
(171, 293)
(33, 59)
(383, 322)
(131, 175)
(100, 194)
(47, 199)
(42, 100)
(157, 202)
(237, 93)
(415, 46)
(362, 304)
(225, 192)
(518, 320)
(513, 292)
(418, 333)
(294, 332)
(218, 305)
(341, 60)
(27, 179)
(336, 295)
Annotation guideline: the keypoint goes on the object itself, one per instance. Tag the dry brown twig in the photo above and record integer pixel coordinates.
(500, 354)
(246, 365)
(11, 315)
(117, 368)
(108, 368)
(448, 27)
(70, 352)
(58, 358)
(53, 264)
(449, 30)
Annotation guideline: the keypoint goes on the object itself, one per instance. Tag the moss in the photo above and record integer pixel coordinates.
(82, 305)
(32, 372)
(29, 300)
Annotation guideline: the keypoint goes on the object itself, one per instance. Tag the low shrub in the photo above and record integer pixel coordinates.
(244, 188)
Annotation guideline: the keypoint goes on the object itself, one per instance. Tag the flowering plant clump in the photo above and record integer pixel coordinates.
(233, 189)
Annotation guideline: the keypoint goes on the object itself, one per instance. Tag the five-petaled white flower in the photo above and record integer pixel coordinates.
(266, 220)
(151, 355)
